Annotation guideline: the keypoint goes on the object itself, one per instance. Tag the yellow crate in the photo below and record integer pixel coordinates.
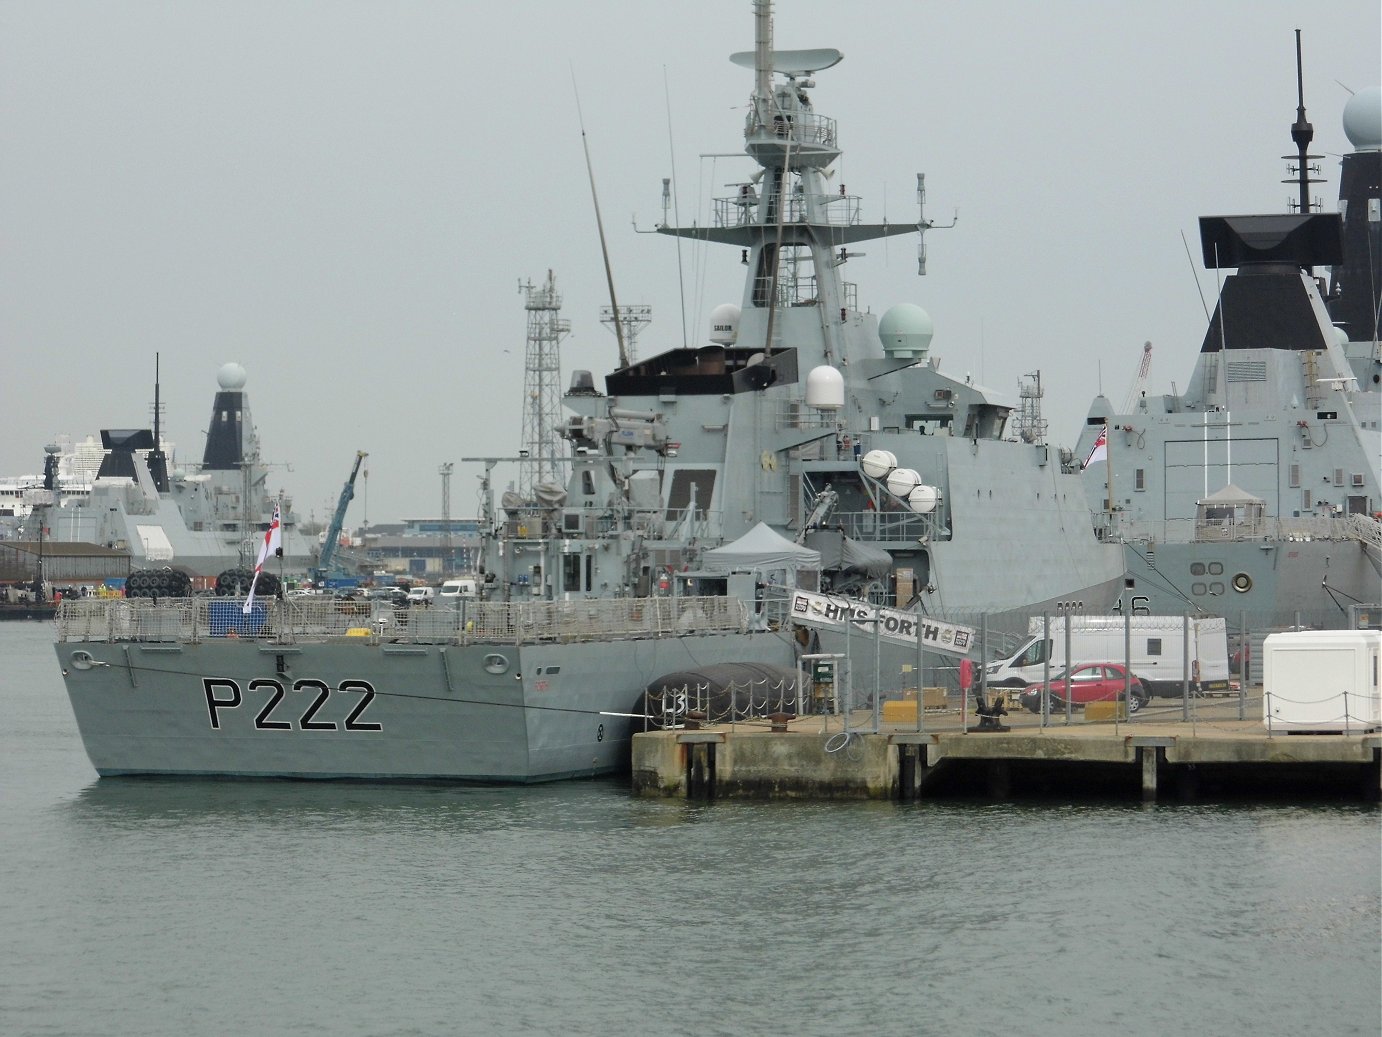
(904, 712)
(1109, 710)
(358, 632)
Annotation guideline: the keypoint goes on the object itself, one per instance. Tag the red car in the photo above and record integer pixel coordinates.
(1087, 682)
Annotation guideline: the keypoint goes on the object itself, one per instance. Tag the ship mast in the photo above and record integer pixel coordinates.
(1302, 133)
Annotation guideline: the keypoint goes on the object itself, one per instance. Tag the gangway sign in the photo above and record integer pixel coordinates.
(826, 610)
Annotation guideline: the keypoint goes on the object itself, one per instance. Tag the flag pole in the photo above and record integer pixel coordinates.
(1108, 474)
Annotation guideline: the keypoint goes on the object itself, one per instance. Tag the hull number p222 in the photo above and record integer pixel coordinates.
(223, 694)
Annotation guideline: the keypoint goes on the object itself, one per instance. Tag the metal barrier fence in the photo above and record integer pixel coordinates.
(319, 619)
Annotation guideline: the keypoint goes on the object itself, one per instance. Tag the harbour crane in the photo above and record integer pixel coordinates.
(326, 559)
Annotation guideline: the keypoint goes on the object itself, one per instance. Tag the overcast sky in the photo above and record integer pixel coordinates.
(343, 197)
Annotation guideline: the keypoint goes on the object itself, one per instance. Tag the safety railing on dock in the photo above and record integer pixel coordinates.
(323, 619)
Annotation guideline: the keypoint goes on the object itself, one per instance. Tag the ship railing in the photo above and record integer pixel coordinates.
(889, 525)
(801, 292)
(315, 620)
(1182, 531)
(832, 210)
(803, 128)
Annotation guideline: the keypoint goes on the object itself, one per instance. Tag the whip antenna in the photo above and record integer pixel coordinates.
(600, 226)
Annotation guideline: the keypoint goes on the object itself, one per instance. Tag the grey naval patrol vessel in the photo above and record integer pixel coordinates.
(1254, 493)
(200, 520)
(806, 426)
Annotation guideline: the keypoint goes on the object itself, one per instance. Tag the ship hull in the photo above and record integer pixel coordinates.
(227, 707)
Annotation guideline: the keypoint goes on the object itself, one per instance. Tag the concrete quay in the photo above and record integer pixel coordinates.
(1158, 754)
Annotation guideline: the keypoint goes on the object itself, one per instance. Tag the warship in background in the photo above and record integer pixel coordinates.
(1255, 492)
(201, 520)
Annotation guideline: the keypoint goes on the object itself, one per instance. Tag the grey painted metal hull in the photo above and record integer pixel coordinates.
(480, 712)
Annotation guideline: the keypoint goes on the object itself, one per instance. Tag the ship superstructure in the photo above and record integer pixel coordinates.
(200, 519)
(769, 419)
(1255, 492)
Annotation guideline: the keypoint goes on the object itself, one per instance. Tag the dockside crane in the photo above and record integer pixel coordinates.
(326, 560)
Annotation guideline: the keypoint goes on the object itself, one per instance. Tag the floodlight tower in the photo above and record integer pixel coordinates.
(542, 387)
(632, 319)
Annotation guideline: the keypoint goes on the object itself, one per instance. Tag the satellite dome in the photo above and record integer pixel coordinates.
(825, 388)
(1363, 119)
(724, 324)
(906, 331)
(878, 463)
(1340, 336)
(231, 377)
(902, 481)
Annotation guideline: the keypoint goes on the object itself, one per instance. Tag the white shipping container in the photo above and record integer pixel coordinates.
(1322, 680)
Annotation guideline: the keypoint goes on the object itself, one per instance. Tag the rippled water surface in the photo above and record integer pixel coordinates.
(136, 907)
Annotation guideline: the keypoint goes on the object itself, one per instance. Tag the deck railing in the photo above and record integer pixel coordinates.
(323, 619)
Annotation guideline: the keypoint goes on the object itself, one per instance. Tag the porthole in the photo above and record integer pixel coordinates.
(1198, 589)
(1216, 568)
(1216, 588)
(1242, 582)
(1197, 568)
(496, 663)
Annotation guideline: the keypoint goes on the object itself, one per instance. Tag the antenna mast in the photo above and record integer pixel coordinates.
(1302, 133)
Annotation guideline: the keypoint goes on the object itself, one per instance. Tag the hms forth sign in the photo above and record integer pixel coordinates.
(893, 624)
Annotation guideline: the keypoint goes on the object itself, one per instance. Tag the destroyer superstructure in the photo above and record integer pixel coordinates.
(1255, 492)
(201, 519)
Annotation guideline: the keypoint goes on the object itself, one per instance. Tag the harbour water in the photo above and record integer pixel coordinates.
(138, 907)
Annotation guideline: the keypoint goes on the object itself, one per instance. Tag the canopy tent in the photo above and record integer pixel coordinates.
(761, 549)
(1230, 514)
(839, 552)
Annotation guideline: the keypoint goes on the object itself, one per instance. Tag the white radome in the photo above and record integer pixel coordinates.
(231, 377)
(825, 388)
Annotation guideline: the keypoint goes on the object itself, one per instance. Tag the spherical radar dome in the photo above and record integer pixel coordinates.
(906, 331)
(231, 377)
(878, 463)
(1363, 119)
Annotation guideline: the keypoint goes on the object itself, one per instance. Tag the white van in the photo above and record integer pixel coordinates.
(421, 595)
(453, 590)
(1157, 656)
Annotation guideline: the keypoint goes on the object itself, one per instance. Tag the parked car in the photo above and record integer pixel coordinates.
(421, 595)
(1087, 682)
